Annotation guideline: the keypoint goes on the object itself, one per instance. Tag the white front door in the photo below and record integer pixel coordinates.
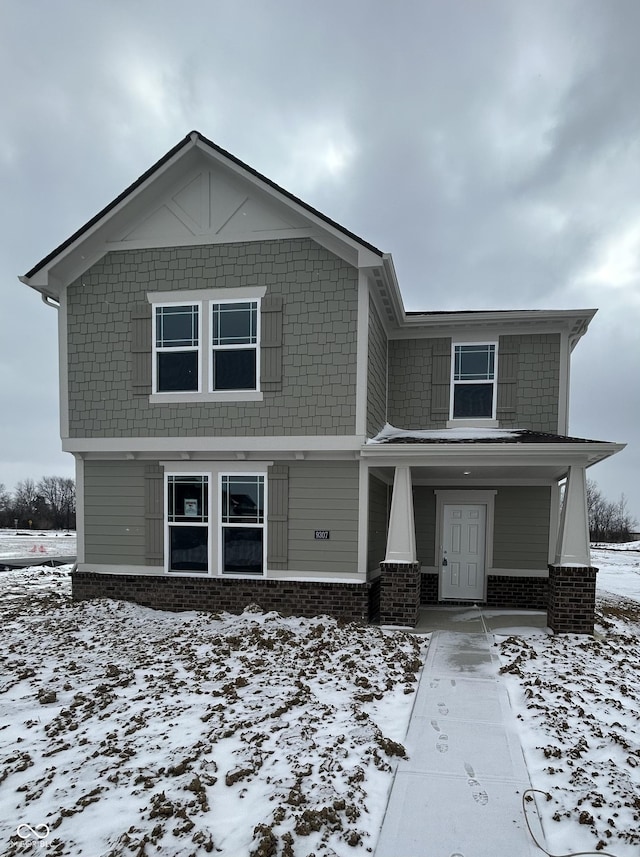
(463, 552)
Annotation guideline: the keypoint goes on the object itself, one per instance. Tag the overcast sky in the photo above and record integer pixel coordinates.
(492, 146)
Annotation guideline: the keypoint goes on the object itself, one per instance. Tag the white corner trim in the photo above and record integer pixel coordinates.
(363, 516)
(565, 384)
(79, 509)
(362, 354)
(63, 361)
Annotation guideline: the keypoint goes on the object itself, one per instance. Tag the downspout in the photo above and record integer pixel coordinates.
(49, 301)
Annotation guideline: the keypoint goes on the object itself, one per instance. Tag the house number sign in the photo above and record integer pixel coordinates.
(323, 535)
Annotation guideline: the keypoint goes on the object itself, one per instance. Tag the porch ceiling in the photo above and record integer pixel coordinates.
(484, 463)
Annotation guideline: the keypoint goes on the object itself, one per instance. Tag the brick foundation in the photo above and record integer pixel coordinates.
(517, 593)
(429, 589)
(345, 601)
(400, 589)
(509, 593)
(572, 599)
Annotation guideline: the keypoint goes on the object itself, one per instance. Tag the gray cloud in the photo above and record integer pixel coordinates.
(492, 147)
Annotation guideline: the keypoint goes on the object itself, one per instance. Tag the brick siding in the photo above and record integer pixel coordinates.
(346, 601)
(572, 599)
(400, 593)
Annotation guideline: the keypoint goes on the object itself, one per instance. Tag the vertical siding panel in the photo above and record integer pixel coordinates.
(154, 514)
(271, 343)
(278, 517)
(441, 380)
(508, 353)
(140, 346)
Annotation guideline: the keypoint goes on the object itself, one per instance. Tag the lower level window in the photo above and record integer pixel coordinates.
(188, 521)
(242, 523)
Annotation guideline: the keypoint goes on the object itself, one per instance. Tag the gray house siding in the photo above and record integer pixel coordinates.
(378, 522)
(424, 516)
(319, 294)
(377, 374)
(521, 530)
(419, 383)
(528, 382)
(323, 496)
(114, 512)
(521, 526)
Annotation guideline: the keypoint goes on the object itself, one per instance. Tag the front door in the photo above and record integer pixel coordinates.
(463, 552)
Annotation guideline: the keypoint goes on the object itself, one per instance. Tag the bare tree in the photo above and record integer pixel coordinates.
(6, 507)
(58, 500)
(608, 522)
(25, 501)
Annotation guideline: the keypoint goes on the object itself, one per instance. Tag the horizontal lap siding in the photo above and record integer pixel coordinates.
(323, 496)
(521, 531)
(114, 512)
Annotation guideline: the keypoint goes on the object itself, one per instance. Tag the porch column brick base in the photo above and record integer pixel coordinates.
(572, 599)
(400, 585)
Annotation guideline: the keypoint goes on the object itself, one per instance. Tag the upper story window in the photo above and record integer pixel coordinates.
(206, 349)
(473, 384)
(177, 348)
(234, 340)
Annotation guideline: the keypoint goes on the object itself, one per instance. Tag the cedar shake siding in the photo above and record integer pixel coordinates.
(528, 382)
(315, 292)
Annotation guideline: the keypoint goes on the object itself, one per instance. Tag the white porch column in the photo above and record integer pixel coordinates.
(401, 539)
(573, 536)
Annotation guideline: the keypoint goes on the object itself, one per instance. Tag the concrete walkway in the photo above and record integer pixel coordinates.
(460, 792)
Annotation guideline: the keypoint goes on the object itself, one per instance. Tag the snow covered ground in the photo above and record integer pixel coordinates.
(131, 731)
(578, 701)
(126, 731)
(42, 544)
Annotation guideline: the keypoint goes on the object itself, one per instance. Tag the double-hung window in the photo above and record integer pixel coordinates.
(176, 334)
(206, 346)
(188, 522)
(242, 523)
(473, 384)
(234, 345)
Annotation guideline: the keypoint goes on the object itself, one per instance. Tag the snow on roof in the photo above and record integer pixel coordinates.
(389, 433)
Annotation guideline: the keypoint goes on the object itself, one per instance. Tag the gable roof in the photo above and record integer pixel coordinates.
(192, 138)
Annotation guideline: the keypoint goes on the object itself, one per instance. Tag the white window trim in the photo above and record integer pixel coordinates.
(214, 470)
(204, 298)
(232, 395)
(263, 526)
(168, 524)
(487, 422)
(170, 396)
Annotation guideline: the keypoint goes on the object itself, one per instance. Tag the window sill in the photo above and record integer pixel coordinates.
(477, 423)
(195, 398)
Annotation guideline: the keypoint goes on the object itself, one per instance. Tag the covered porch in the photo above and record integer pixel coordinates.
(498, 520)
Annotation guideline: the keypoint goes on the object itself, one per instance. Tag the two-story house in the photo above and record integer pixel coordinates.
(232, 367)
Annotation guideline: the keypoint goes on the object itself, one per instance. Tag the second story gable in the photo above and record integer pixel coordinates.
(207, 302)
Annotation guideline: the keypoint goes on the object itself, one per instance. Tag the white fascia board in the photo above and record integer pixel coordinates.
(350, 444)
(487, 323)
(487, 455)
